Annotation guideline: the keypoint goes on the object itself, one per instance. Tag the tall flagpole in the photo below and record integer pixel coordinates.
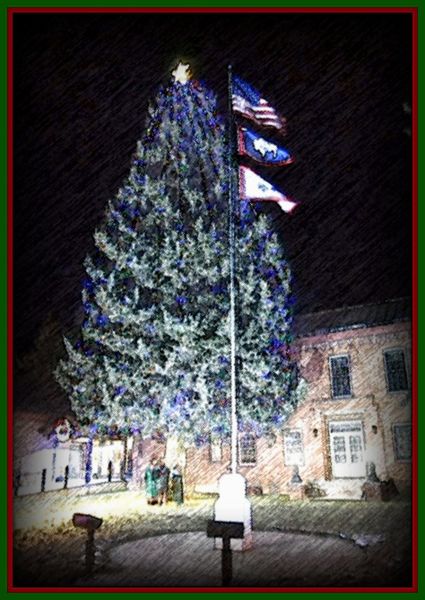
(232, 261)
(232, 503)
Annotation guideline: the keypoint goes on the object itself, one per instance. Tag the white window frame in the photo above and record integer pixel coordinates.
(394, 428)
(293, 462)
(243, 463)
(216, 451)
(402, 350)
(344, 396)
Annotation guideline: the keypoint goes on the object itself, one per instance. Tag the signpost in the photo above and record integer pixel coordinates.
(225, 530)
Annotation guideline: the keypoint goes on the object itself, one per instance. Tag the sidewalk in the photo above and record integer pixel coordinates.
(276, 560)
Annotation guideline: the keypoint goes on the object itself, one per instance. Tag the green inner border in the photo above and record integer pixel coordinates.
(3, 256)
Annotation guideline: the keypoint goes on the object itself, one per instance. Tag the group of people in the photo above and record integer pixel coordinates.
(162, 485)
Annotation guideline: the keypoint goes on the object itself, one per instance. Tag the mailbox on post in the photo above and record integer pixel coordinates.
(225, 530)
(90, 524)
(86, 521)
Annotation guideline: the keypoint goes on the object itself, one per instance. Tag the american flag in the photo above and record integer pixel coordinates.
(248, 102)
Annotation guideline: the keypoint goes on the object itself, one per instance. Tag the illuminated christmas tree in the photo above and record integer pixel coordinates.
(153, 353)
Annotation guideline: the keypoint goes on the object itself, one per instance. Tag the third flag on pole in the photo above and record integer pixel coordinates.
(253, 187)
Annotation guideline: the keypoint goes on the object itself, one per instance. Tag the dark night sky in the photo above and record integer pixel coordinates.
(82, 86)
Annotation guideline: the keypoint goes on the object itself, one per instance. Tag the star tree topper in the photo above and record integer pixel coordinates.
(181, 73)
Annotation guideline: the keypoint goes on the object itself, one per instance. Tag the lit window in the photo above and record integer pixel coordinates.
(403, 441)
(396, 370)
(293, 447)
(215, 449)
(247, 449)
(340, 376)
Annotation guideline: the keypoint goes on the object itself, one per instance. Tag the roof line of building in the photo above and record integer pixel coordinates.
(353, 317)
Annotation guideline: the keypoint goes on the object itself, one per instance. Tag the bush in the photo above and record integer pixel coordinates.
(313, 490)
(254, 490)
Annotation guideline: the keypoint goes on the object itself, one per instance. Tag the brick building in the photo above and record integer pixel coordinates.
(357, 410)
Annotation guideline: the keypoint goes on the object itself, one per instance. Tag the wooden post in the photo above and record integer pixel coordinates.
(43, 479)
(16, 482)
(123, 462)
(90, 551)
(226, 530)
(226, 562)
(66, 477)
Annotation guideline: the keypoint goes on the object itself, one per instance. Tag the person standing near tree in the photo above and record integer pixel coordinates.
(163, 479)
(151, 481)
(177, 485)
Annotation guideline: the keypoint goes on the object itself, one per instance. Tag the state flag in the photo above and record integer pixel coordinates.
(262, 151)
(253, 187)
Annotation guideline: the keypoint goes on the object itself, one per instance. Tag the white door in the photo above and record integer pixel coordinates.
(347, 452)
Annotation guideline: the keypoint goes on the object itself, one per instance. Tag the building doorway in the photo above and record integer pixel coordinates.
(347, 449)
